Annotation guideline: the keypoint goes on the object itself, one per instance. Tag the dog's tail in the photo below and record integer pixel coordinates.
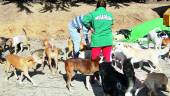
(25, 33)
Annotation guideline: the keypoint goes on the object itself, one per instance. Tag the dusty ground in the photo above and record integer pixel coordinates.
(54, 25)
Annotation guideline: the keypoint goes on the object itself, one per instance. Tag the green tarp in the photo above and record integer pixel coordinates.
(141, 30)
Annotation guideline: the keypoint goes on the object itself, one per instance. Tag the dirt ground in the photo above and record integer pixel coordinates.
(54, 24)
(55, 85)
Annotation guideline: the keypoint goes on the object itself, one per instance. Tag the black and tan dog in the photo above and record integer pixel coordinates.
(85, 66)
(115, 83)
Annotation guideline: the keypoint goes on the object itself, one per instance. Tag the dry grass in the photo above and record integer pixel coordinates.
(55, 24)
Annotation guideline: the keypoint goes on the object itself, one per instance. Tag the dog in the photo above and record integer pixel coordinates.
(125, 32)
(118, 58)
(144, 55)
(3, 41)
(156, 36)
(70, 48)
(85, 66)
(153, 82)
(38, 56)
(20, 63)
(115, 83)
(51, 53)
(21, 40)
(129, 72)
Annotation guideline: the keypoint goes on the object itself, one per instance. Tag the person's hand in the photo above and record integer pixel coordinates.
(91, 30)
(81, 35)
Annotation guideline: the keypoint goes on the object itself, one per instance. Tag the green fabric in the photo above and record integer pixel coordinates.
(101, 21)
(143, 29)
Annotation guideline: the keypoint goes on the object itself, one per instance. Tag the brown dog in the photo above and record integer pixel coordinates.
(154, 81)
(84, 66)
(21, 63)
(51, 53)
(70, 47)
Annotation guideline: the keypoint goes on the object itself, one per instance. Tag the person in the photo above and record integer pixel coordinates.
(100, 22)
(78, 33)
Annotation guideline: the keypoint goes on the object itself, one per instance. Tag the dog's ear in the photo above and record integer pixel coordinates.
(66, 49)
(9, 42)
(60, 51)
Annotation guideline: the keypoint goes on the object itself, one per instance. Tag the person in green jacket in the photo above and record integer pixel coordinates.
(100, 22)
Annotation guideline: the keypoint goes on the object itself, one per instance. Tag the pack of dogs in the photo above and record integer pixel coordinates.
(114, 83)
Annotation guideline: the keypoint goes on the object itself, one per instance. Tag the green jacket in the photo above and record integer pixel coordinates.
(101, 21)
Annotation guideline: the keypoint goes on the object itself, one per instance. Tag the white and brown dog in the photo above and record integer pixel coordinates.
(19, 40)
(139, 55)
(156, 36)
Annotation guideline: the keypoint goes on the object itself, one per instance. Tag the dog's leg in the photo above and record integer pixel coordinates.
(29, 47)
(56, 63)
(7, 66)
(130, 88)
(88, 83)
(20, 80)
(27, 75)
(100, 81)
(148, 44)
(154, 92)
(98, 78)
(15, 49)
(140, 65)
(132, 61)
(167, 88)
(51, 68)
(44, 59)
(14, 70)
(150, 93)
(69, 77)
(151, 66)
(22, 47)
(138, 90)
